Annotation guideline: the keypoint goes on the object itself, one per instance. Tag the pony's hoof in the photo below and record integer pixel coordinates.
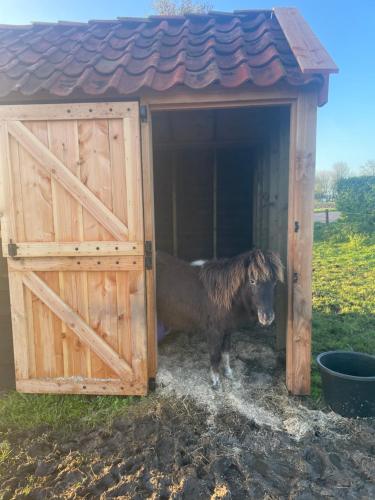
(228, 373)
(215, 379)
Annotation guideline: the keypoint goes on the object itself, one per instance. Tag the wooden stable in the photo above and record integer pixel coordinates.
(90, 186)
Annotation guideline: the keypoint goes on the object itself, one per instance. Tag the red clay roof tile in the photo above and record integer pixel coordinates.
(159, 53)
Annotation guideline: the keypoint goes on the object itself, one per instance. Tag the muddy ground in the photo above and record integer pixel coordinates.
(247, 440)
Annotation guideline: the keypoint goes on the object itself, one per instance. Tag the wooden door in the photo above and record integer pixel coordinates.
(73, 233)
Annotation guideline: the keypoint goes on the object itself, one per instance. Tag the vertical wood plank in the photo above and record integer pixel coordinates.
(301, 193)
(117, 157)
(50, 341)
(133, 173)
(30, 332)
(123, 311)
(94, 157)
(138, 324)
(68, 226)
(16, 190)
(95, 162)
(175, 173)
(19, 326)
(83, 311)
(7, 198)
(36, 190)
(149, 227)
(98, 315)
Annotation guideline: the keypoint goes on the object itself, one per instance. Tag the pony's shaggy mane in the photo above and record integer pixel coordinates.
(223, 278)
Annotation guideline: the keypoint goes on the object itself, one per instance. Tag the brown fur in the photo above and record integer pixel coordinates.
(223, 278)
(190, 299)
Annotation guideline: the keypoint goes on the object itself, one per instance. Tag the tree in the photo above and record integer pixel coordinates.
(340, 170)
(356, 201)
(368, 168)
(323, 181)
(181, 7)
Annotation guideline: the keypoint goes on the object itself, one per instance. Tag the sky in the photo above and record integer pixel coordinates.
(346, 125)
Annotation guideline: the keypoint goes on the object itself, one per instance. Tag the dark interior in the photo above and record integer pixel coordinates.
(204, 169)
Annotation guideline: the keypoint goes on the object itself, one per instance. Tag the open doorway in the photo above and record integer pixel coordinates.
(221, 181)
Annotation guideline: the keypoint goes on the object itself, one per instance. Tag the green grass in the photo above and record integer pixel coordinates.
(21, 412)
(343, 298)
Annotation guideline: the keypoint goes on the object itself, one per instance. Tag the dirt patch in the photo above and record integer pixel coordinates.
(246, 441)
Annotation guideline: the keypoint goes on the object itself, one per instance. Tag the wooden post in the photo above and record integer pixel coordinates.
(149, 225)
(300, 240)
(327, 216)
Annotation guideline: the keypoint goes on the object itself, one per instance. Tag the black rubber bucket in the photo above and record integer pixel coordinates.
(348, 382)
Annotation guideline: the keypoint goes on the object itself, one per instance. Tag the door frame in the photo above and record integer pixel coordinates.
(303, 106)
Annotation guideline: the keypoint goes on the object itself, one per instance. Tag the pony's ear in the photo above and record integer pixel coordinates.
(222, 279)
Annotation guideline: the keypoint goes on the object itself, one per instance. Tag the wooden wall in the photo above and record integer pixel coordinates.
(203, 172)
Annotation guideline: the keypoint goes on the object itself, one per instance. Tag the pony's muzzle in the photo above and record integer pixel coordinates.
(266, 319)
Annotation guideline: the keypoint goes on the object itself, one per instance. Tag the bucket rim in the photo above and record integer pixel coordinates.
(323, 368)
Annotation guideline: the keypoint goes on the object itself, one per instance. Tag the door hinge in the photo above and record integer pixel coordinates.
(12, 249)
(296, 226)
(148, 255)
(295, 277)
(143, 113)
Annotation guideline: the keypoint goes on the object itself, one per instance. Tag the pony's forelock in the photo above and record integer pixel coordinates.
(223, 278)
(264, 266)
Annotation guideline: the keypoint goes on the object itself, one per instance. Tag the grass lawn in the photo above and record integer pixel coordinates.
(21, 412)
(343, 298)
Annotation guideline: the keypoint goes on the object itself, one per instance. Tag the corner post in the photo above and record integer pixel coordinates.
(300, 242)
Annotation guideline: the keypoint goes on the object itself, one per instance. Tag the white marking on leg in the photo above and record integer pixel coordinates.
(227, 369)
(215, 379)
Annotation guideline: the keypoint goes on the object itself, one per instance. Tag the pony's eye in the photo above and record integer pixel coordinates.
(252, 282)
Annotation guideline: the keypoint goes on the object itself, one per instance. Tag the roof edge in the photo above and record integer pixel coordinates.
(310, 54)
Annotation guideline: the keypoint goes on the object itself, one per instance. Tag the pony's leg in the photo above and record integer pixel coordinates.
(228, 373)
(215, 347)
